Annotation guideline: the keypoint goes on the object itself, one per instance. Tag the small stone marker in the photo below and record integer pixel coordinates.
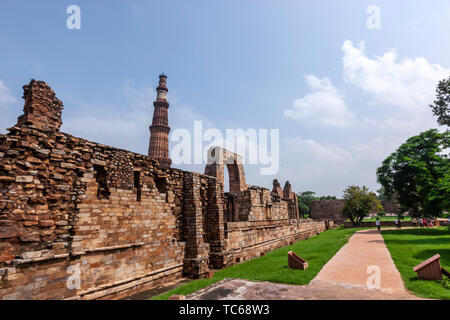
(430, 269)
(295, 262)
(177, 297)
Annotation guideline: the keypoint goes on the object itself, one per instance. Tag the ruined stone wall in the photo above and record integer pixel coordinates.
(254, 204)
(72, 207)
(257, 204)
(247, 240)
(327, 210)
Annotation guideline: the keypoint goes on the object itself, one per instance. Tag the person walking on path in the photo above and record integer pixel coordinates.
(396, 223)
(399, 224)
(378, 223)
(420, 222)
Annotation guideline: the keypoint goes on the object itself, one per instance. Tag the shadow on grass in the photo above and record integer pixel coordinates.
(433, 236)
(410, 247)
(430, 241)
(444, 253)
(419, 232)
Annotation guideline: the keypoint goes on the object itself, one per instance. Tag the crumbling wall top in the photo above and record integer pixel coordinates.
(42, 109)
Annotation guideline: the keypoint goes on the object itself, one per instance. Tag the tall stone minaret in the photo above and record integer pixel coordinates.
(159, 130)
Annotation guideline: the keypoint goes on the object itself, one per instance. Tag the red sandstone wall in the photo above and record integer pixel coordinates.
(54, 222)
(327, 210)
(255, 204)
(247, 240)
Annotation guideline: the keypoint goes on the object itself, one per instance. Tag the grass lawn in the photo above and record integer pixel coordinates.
(388, 219)
(273, 266)
(409, 247)
(383, 219)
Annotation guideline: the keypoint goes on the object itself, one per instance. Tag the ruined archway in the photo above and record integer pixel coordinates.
(217, 159)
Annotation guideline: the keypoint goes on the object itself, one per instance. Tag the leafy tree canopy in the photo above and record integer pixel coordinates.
(419, 174)
(358, 202)
(441, 106)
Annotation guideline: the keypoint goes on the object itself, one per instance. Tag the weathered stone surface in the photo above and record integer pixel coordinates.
(276, 190)
(46, 223)
(33, 160)
(7, 232)
(7, 252)
(31, 237)
(42, 109)
(218, 158)
(24, 179)
(327, 209)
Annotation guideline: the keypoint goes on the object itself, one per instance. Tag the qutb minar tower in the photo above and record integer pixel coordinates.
(159, 130)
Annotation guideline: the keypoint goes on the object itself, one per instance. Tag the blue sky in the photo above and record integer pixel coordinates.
(343, 96)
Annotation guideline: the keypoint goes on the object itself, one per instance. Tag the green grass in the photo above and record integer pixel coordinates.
(409, 247)
(273, 266)
(388, 219)
(384, 219)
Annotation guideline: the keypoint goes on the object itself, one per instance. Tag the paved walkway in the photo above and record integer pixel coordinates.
(350, 265)
(343, 277)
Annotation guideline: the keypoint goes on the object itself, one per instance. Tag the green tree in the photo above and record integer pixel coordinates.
(441, 106)
(382, 194)
(358, 202)
(381, 213)
(418, 173)
(327, 198)
(304, 202)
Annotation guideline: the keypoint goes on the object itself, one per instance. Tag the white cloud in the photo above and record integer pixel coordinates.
(124, 127)
(402, 88)
(9, 106)
(408, 83)
(6, 97)
(324, 105)
(329, 153)
(398, 92)
(324, 168)
(328, 168)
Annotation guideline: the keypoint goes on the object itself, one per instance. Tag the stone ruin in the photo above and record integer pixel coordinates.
(218, 158)
(328, 210)
(81, 220)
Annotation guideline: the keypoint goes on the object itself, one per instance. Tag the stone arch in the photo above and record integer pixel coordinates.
(217, 159)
